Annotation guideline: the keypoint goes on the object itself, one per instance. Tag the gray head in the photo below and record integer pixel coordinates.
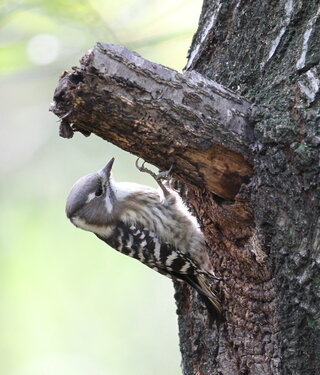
(91, 199)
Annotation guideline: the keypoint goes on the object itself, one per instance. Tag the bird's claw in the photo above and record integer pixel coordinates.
(164, 175)
(159, 177)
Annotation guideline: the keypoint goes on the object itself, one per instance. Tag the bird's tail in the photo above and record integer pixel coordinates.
(210, 299)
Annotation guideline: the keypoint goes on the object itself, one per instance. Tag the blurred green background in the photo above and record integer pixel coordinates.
(69, 304)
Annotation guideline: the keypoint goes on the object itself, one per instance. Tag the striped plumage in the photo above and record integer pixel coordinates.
(152, 226)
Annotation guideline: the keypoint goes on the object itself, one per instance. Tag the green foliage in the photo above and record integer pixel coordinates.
(77, 25)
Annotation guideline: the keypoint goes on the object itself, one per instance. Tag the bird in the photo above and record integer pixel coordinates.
(151, 225)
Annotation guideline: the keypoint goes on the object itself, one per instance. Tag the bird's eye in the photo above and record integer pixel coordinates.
(99, 191)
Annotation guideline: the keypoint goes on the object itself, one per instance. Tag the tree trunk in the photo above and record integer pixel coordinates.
(262, 227)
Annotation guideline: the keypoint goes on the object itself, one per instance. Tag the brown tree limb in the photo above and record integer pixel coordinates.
(205, 131)
(186, 120)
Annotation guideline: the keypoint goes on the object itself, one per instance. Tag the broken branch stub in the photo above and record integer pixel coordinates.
(163, 116)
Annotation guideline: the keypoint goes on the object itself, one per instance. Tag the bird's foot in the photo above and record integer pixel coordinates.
(159, 177)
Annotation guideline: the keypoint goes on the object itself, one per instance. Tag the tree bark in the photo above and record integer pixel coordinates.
(166, 117)
(262, 228)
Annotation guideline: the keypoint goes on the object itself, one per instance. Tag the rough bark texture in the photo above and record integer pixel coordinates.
(264, 233)
(268, 51)
(166, 117)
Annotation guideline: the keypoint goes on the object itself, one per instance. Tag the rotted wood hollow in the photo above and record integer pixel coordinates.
(168, 118)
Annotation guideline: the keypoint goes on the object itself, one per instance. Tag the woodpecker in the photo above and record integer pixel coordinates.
(151, 225)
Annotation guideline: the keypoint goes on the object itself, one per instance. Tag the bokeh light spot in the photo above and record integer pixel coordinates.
(43, 49)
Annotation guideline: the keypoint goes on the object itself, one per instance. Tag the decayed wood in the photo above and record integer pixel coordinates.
(205, 132)
(201, 128)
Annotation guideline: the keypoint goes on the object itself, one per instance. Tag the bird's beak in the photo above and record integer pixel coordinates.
(107, 169)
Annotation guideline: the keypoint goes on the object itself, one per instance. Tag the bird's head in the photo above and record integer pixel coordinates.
(96, 202)
(91, 200)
